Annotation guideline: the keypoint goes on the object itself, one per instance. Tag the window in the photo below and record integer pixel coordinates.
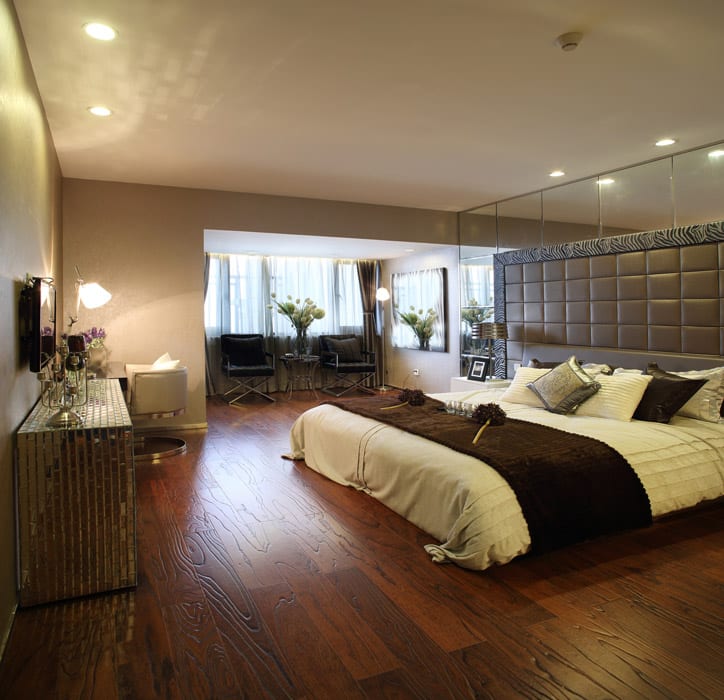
(240, 288)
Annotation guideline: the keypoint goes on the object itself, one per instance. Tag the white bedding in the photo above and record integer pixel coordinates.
(466, 505)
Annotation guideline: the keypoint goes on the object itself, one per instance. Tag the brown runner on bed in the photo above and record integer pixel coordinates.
(570, 487)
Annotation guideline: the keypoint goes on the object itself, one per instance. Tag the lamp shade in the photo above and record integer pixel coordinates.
(382, 294)
(494, 331)
(92, 295)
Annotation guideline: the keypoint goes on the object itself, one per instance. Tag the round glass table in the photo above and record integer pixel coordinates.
(301, 371)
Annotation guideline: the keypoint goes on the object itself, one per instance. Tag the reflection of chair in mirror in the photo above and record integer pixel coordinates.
(156, 393)
(247, 364)
(352, 366)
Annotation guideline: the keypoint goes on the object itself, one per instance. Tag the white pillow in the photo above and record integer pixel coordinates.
(165, 362)
(164, 358)
(706, 403)
(621, 370)
(617, 398)
(593, 368)
(518, 392)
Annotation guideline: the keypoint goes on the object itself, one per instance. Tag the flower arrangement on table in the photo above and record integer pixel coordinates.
(94, 337)
(475, 315)
(301, 314)
(421, 322)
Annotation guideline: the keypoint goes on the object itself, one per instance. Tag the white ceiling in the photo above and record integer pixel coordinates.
(441, 104)
(297, 245)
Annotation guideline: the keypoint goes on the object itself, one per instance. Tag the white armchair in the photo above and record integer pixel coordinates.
(156, 391)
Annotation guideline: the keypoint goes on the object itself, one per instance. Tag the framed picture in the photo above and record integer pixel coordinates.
(419, 306)
(478, 368)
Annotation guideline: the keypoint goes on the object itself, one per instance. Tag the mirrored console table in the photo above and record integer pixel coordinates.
(76, 500)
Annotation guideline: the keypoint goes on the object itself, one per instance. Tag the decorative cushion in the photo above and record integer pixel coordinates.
(617, 398)
(245, 351)
(347, 349)
(564, 388)
(164, 362)
(706, 403)
(518, 391)
(665, 395)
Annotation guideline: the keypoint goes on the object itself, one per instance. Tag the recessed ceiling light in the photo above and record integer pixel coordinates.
(666, 142)
(716, 154)
(100, 111)
(99, 31)
(409, 250)
(606, 181)
(557, 173)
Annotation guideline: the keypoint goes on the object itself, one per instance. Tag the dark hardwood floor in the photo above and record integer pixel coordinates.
(261, 579)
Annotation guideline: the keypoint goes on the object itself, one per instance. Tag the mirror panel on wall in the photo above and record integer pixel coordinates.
(519, 222)
(637, 199)
(570, 212)
(699, 186)
(478, 228)
(679, 190)
(476, 302)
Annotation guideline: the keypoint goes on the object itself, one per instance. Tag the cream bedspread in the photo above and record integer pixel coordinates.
(466, 505)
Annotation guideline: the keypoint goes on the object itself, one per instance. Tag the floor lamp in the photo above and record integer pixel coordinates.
(382, 296)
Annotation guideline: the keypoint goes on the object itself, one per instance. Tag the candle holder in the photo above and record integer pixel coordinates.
(64, 382)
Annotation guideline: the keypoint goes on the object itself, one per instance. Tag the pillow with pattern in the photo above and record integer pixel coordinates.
(618, 397)
(565, 387)
(518, 391)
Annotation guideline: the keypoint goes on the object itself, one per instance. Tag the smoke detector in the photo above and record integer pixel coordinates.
(569, 41)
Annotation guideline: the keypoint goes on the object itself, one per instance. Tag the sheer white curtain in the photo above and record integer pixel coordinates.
(476, 282)
(240, 289)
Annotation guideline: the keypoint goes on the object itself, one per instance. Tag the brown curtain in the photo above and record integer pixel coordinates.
(368, 272)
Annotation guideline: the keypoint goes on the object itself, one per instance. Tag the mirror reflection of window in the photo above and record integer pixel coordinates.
(476, 300)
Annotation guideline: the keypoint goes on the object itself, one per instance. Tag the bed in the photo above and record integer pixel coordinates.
(467, 507)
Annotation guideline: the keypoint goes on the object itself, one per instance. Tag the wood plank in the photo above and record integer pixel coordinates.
(315, 666)
(433, 672)
(260, 578)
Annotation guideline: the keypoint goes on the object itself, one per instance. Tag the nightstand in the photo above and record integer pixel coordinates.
(465, 384)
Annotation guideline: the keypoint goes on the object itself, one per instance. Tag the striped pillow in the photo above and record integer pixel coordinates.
(617, 398)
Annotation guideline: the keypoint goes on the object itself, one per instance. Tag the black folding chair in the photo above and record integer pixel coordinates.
(247, 364)
(350, 364)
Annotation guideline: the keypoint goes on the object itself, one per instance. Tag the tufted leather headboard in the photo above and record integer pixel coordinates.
(655, 292)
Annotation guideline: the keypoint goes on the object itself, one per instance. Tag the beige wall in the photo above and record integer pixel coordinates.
(436, 368)
(29, 243)
(145, 245)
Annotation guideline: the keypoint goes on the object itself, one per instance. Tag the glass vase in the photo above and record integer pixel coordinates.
(300, 343)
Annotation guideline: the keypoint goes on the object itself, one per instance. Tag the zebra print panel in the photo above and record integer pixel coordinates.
(627, 243)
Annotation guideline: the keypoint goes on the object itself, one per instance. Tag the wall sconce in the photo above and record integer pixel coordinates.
(64, 380)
